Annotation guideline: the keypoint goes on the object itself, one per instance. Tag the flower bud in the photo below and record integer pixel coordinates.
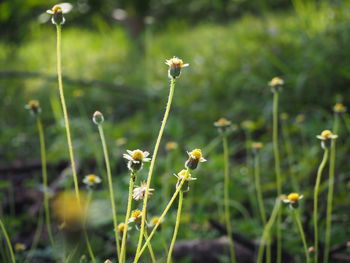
(98, 118)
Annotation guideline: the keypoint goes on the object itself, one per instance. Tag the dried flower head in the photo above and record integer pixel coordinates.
(136, 216)
(222, 124)
(184, 174)
(140, 191)
(339, 108)
(34, 107)
(171, 146)
(91, 180)
(175, 65)
(276, 84)
(293, 199)
(20, 247)
(57, 12)
(98, 118)
(194, 157)
(136, 159)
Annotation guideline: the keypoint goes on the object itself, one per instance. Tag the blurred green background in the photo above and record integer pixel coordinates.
(113, 61)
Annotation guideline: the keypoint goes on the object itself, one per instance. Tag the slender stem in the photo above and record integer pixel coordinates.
(278, 173)
(88, 245)
(330, 192)
(267, 230)
(66, 121)
(227, 198)
(150, 249)
(317, 186)
(44, 175)
(36, 237)
(176, 229)
(2, 226)
(127, 216)
(137, 257)
(150, 172)
(110, 185)
(301, 231)
(260, 199)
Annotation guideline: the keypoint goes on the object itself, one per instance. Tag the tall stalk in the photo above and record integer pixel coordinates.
(68, 133)
(278, 173)
(150, 249)
(44, 176)
(150, 173)
(161, 218)
(260, 198)
(7, 239)
(301, 232)
(316, 192)
(330, 191)
(176, 229)
(110, 186)
(227, 197)
(127, 216)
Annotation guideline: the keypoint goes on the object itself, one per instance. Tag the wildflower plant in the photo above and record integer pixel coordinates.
(222, 125)
(326, 137)
(293, 200)
(276, 85)
(98, 119)
(175, 66)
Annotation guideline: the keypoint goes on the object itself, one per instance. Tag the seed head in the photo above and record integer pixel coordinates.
(175, 65)
(98, 118)
(140, 191)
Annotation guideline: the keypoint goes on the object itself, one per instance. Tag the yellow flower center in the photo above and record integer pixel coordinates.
(33, 104)
(56, 9)
(339, 107)
(91, 178)
(326, 134)
(121, 227)
(257, 145)
(222, 122)
(136, 213)
(137, 155)
(175, 62)
(276, 81)
(154, 220)
(197, 154)
(293, 197)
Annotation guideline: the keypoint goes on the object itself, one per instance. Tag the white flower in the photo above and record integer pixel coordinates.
(91, 180)
(136, 158)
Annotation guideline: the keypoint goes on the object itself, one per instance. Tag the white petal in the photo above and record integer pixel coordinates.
(145, 153)
(185, 65)
(146, 159)
(66, 7)
(129, 152)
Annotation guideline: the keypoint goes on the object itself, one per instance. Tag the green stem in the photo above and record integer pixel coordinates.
(69, 140)
(302, 234)
(2, 226)
(176, 229)
(44, 175)
(127, 216)
(278, 173)
(110, 185)
(267, 230)
(227, 198)
(161, 218)
(260, 199)
(317, 186)
(150, 249)
(330, 192)
(155, 151)
(36, 237)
